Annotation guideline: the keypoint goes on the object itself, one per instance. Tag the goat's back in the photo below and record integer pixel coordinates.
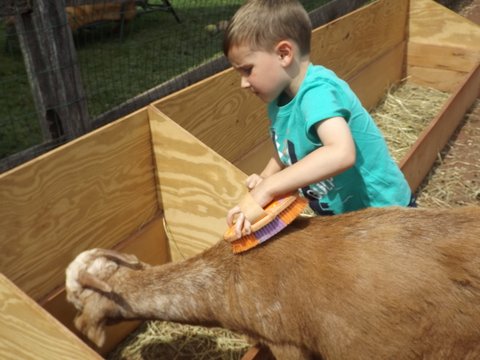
(376, 282)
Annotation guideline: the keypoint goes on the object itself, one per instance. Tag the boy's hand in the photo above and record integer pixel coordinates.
(235, 214)
(250, 207)
(242, 224)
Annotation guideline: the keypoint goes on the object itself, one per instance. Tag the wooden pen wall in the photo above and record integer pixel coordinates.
(93, 191)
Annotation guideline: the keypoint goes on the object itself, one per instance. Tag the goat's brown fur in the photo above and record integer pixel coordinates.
(389, 283)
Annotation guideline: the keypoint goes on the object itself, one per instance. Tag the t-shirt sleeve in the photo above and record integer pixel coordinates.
(320, 103)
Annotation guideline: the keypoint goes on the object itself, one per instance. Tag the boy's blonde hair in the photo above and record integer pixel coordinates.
(261, 24)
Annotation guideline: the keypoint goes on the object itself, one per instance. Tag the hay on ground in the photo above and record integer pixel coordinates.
(162, 340)
(403, 114)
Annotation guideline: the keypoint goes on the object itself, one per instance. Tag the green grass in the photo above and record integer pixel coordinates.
(19, 128)
(154, 48)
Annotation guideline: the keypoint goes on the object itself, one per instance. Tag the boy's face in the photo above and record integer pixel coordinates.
(262, 72)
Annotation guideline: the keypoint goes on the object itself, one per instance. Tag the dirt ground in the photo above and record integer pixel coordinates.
(467, 8)
(461, 157)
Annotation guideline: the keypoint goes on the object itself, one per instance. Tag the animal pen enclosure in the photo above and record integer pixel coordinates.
(184, 166)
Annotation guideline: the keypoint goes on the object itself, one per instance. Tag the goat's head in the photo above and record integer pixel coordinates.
(90, 289)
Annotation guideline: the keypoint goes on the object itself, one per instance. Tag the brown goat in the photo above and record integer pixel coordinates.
(380, 283)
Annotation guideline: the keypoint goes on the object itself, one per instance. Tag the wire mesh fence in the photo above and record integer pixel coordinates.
(97, 60)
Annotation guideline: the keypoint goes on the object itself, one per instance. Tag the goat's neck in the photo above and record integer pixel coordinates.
(189, 291)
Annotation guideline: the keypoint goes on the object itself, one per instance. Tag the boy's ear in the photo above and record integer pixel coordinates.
(285, 51)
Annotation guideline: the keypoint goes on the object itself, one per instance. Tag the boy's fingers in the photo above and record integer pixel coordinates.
(231, 214)
(242, 226)
(239, 225)
(247, 227)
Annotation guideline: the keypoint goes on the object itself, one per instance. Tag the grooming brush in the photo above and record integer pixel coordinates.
(265, 222)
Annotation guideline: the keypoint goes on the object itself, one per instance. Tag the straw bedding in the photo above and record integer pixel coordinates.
(455, 177)
(402, 115)
(161, 340)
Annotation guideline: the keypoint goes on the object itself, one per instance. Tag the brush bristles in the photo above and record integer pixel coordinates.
(292, 212)
(244, 243)
(272, 228)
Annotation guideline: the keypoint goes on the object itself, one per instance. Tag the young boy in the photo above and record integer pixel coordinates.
(328, 146)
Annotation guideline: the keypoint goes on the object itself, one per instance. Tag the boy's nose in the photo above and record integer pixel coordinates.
(244, 84)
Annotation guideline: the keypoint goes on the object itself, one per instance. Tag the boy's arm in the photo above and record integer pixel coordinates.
(272, 167)
(335, 156)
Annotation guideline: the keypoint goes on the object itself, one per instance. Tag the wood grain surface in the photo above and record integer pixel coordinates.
(196, 187)
(350, 43)
(29, 332)
(92, 192)
(371, 83)
(443, 53)
(228, 119)
(443, 46)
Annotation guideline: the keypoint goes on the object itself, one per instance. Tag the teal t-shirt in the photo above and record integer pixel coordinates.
(374, 180)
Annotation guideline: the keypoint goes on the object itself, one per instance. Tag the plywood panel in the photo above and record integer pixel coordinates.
(443, 46)
(454, 58)
(440, 79)
(94, 191)
(432, 24)
(196, 187)
(228, 119)
(371, 83)
(439, 67)
(150, 245)
(29, 332)
(350, 43)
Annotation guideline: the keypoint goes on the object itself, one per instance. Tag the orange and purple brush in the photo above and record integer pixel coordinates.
(265, 222)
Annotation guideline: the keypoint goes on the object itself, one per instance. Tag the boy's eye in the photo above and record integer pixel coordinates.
(246, 70)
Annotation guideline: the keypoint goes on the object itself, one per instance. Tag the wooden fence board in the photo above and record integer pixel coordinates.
(443, 46)
(219, 113)
(440, 79)
(350, 43)
(29, 332)
(433, 24)
(454, 58)
(371, 83)
(93, 191)
(196, 187)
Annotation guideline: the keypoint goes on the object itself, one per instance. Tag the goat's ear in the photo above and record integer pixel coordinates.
(121, 258)
(88, 280)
